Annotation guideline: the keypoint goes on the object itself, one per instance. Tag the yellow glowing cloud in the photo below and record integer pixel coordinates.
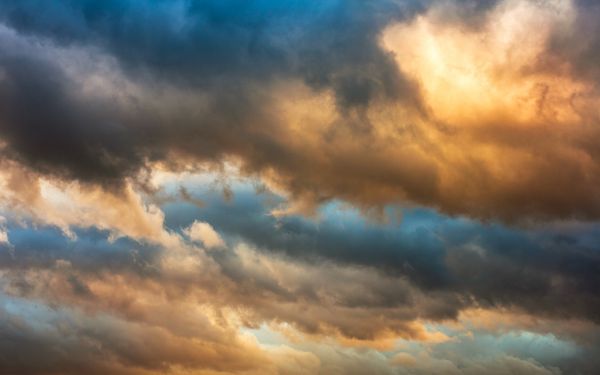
(63, 204)
(492, 73)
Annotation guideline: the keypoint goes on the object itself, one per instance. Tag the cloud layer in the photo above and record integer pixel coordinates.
(328, 187)
(457, 106)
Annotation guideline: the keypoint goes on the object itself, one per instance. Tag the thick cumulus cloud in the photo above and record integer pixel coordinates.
(222, 51)
(262, 187)
(418, 102)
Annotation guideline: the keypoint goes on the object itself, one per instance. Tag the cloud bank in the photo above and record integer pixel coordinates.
(323, 187)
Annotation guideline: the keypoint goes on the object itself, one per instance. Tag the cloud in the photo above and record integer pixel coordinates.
(463, 260)
(31, 196)
(343, 277)
(3, 232)
(42, 340)
(383, 133)
(204, 233)
(174, 294)
(248, 50)
(401, 187)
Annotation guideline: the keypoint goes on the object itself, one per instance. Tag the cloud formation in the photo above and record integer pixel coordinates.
(343, 278)
(328, 187)
(471, 120)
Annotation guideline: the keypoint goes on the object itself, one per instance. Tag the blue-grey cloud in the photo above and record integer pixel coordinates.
(485, 264)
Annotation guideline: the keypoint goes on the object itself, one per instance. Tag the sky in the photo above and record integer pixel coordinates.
(331, 187)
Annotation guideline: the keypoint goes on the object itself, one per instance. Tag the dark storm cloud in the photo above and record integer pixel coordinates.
(226, 49)
(47, 127)
(329, 43)
(487, 265)
(414, 253)
(206, 78)
(537, 274)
